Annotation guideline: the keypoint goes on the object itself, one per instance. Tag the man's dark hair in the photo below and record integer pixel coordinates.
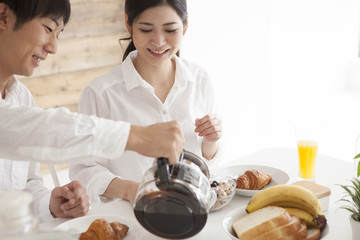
(26, 10)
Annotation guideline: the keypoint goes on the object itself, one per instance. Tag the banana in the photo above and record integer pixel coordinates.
(286, 196)
(304, 215)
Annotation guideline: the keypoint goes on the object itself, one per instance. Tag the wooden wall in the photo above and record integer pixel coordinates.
(87, 48)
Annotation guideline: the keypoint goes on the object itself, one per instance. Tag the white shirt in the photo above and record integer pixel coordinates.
(23, 175)
(57, 135)
(121, 94)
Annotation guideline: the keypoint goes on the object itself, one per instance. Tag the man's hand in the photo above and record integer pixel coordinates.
(157, 140)
(70, 200)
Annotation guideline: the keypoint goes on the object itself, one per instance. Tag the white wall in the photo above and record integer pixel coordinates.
(278, 62)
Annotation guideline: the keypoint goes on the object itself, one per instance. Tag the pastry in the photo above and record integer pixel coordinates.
(253, 180)
(100, 229)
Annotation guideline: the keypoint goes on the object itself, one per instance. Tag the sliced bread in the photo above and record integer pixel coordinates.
(286, 230)
(313, 234)
(299, 235)
(260, 221)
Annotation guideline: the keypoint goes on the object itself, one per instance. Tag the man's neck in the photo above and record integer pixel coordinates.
(3, 81)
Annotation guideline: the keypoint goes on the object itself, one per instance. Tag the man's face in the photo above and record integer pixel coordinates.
(30, 44)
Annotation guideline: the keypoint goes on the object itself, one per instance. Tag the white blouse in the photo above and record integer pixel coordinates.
(121, 94)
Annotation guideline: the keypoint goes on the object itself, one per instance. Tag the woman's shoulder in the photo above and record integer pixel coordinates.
(192, 69)
(108, 79)
(190, 64)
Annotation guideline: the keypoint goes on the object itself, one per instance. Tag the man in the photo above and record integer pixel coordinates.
(28, 33)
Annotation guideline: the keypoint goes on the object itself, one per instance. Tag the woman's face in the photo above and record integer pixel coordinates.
(157, 34)
(31, 43)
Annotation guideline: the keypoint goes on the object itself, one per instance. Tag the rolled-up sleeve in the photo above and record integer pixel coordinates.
(58, 135)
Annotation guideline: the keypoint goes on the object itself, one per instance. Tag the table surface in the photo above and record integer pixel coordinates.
(329, 172)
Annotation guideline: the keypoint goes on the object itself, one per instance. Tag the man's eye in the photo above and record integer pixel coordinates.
(48, 28)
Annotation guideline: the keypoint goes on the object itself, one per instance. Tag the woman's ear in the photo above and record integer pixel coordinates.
(186, 24)
(128, 27)
(4, 14)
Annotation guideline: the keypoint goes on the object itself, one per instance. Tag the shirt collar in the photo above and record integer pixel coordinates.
(183, 73)
(10, 87)
(133, 79)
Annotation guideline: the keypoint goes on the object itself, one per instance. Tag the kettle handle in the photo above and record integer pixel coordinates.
(163, 170)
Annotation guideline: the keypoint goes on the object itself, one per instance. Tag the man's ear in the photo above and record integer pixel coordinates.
(4, 15)
(128, 27)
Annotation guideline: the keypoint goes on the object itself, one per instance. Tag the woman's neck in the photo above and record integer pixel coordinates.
(161, 77)
(154, 73)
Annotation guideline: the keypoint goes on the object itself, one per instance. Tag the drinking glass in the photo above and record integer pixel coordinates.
(307, 146)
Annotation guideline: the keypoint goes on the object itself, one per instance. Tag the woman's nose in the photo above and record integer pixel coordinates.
(159, 40)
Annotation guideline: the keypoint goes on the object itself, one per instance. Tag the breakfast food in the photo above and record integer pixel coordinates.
(100, 229)
(223, 189)
(259, 222)
(286, 196)
(253, 180)
(313, 234)
(297, 201)
(273, 222)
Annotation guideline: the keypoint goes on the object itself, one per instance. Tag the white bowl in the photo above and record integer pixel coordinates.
(230, 219)
(222, 201)
(236, 214)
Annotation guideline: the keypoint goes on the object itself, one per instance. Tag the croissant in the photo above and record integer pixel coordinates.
(100, 229)
(253, 180)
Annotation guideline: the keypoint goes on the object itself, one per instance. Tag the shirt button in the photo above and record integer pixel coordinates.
(164, 112)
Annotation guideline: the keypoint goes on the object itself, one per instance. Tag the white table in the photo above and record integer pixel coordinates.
(329, 172)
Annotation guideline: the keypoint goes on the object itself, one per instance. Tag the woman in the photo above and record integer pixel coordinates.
(151, 85)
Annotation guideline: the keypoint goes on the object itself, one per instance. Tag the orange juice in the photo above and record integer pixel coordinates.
(307, 150)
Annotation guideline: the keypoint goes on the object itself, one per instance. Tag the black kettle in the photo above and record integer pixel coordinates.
(174, 201)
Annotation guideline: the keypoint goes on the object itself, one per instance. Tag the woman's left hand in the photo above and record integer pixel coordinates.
(209, 127)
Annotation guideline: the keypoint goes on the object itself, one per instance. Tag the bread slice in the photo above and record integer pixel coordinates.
(299, 235)
(260, 221)
(286, 230)
(313, 234)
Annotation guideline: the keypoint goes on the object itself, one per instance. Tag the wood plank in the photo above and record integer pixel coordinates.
(44, 168)
(61, 89)
(81, 54)
(95, 18)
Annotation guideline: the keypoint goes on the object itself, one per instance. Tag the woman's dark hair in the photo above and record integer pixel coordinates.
(26, 10)
(133, 8)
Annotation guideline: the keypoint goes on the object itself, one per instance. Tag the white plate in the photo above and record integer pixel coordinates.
(237, 214)
(81, 224)
(277, 176)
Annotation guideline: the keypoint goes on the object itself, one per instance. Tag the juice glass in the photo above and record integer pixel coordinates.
(307, 150)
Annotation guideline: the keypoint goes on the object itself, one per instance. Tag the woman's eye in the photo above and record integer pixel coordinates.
(145, 30)
(171, 30)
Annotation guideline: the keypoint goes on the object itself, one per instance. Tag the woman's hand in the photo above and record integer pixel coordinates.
(210, 128)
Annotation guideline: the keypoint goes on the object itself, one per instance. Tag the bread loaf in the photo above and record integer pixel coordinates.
(284, 231)
(313, 234)
(261, 221)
